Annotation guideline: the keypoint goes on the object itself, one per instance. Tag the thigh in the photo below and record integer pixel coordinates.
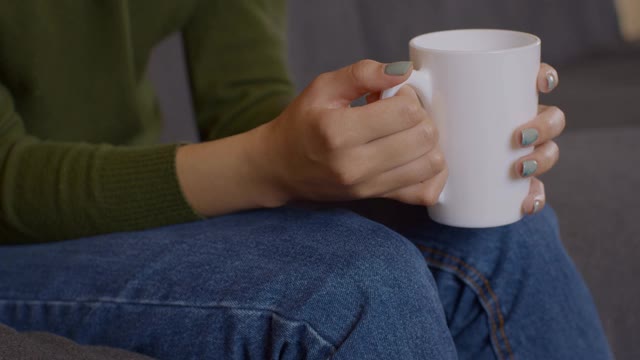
(285, 281)
(508, 292)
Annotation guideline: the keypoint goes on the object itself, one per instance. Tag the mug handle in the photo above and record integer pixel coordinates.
(420, 81)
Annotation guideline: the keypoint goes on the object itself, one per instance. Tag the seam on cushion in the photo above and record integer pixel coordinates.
(481, 294)
(178, 304)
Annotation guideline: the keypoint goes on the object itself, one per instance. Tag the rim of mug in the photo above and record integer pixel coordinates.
(536, 41)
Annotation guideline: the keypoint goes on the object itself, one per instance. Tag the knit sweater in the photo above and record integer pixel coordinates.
(79, 123)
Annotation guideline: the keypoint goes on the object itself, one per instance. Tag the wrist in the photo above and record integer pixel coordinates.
(263, 166)
(227, 175)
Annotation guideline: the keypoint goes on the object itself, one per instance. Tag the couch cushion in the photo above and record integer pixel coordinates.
(595, 189)
(601, 90)
(328, 34)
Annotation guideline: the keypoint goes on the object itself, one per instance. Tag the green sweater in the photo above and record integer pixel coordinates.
(79, 123)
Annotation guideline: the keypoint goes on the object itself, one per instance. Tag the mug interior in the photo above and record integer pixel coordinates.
(475, 40)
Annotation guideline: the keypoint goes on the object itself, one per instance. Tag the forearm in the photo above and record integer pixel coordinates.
(222, 176)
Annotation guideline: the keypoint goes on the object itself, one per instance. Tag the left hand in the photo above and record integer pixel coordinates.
(540, 133)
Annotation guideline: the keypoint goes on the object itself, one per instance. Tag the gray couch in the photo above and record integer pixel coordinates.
(595, 188)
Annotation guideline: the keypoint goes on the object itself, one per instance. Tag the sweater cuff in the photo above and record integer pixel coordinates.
(140, 188)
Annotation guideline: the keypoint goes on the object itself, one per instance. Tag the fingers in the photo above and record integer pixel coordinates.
(347, 128)
(341, 87)
(397, 150)
(536, 200)
(543, 158)
(373, 97)
(422, 169)
(423, 194)
(385, 117)
(548, 125)
(548, 79)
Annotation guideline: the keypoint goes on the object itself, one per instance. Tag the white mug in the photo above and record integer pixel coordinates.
(478, 86)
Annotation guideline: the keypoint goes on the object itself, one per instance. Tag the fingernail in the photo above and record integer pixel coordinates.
(529, 167)
(551, 81)
(399, 68)
(529, 136)
(536, 206)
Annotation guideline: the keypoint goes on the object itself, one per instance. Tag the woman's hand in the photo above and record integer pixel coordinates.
(322, 149)
(540, 133)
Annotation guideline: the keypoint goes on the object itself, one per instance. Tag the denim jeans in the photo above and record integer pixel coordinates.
(300, 283)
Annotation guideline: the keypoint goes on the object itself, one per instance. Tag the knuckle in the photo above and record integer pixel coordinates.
(358, 71)
(320, 79)
(437, 161)
(344, 176)
(563, 120)
(357, 192)
(329, 138)
(560, 113)
(430, 197)
(318, 83)
(413, 111)
(557, 114)
(365, 63)
(555, 152)
(430, 133)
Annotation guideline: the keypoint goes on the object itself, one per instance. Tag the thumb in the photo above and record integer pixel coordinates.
(343, 86)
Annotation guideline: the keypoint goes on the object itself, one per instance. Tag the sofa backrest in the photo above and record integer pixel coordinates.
(327, 34)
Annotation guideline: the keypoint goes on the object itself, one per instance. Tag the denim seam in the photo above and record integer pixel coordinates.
(478, 291)
(275, 313)
(488, 287)
(481, 294)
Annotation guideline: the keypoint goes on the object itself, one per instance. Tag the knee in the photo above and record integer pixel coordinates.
(319, 259)
(348, 270)
(363, 261)
(370, 257)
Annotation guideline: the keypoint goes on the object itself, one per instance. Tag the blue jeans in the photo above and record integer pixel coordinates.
(296, 283)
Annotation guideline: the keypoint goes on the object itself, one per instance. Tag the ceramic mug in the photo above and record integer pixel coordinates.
(478, 85)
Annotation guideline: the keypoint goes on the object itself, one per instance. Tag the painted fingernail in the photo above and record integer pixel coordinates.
(529, 136)
(537, 206)
(551, 81)
(398, 68)
(529, 167)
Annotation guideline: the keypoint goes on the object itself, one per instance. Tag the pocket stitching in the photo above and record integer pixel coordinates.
(479, 290)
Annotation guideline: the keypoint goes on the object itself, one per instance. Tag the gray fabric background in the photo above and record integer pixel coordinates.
(595, 188)
(328, 34)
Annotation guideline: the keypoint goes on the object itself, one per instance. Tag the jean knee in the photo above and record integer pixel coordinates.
(373, 278)
(376, 259)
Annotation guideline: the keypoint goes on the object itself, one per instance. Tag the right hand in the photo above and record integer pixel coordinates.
(321, 149)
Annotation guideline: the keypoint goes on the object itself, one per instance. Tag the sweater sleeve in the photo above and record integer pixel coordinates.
(53, 191)
(236, 56)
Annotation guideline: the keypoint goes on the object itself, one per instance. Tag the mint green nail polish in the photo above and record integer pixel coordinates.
(398, 68)
(529, 167)
(529, 136)
(551, 81)
(536, 206)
